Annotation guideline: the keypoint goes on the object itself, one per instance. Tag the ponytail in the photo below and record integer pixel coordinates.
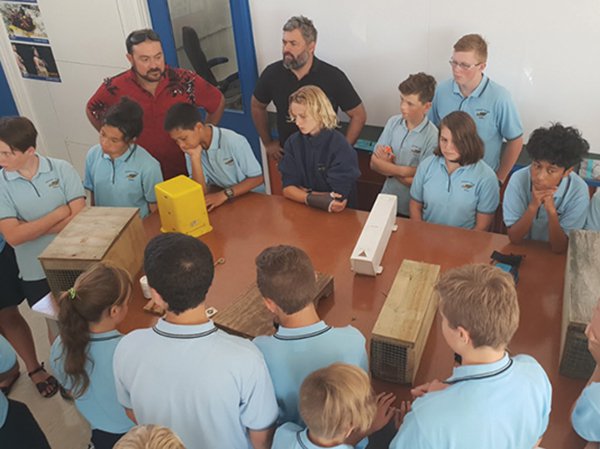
(96, 290)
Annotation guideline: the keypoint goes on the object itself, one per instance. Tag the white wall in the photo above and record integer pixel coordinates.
(88, 42)
(544, 52)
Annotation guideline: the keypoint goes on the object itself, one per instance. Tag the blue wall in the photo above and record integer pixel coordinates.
(7, 103)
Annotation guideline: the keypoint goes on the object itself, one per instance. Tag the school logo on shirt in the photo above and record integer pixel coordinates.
(481, 113)
(131, 175)
(415, 150)
(53, 183)
(467, 185)
(228, 161)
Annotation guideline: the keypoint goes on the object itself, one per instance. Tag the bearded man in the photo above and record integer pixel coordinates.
(156, 87)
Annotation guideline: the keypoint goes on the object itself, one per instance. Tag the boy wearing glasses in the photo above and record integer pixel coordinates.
(155, 87)
(547, 199)
(489, 104)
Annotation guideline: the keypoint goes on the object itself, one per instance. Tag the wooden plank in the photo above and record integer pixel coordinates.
(248, 316)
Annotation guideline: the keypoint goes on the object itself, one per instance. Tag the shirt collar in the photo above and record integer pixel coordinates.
(442, 163)
(44, 167)
(305, 443)
(215, 140)
(103, 336)
(478, 90)
(125, 156)
(316, 140)
(184, 331)
(298, 333)
(417, 129)
(468, 372)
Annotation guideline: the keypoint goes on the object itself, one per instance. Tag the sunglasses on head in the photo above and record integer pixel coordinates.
(137, 37)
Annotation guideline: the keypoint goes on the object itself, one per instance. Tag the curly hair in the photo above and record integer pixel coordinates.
(560, 145)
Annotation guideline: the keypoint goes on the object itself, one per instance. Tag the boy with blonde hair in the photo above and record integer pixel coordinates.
(149, 437)
(337, 405)
(490, 105)
(319, 167)
(303, 342)
(407, 139)
(493, 400)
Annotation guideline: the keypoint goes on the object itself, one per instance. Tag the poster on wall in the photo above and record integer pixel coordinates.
(23, 22)
(36, 61)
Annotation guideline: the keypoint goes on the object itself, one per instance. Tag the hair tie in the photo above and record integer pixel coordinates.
(72, 293)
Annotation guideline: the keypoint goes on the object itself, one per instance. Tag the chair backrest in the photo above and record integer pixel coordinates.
(191, 46)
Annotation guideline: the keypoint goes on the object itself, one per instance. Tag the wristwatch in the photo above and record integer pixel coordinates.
(229, 193)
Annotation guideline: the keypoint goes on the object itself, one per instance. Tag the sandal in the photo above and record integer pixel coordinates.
(7, 388)
(47, 388)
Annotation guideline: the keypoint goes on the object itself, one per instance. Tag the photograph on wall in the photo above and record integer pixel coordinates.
(23, 22)
(36, 62)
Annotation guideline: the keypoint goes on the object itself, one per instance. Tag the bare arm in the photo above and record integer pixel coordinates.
(518, 231)
(509, 158)
(295, 194)
(75, 207)
(415, 210)
(559, 241)
(261, 439)
(388, 168)
(196, 162)
(17, 232)
(214, 200)
(483, 222)
(215, 116)
(130, 415)
(358, 118)
(261, 123)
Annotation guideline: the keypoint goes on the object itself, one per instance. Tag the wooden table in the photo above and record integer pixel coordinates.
(246, 226)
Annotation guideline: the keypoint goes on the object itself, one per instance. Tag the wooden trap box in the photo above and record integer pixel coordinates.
(580, 296)
(107, 234)
(403, 325)
(248, 317)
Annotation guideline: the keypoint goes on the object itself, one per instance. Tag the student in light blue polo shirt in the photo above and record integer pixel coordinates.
(547, 199)
(592, 222)
(118, 172)
(407, 139)
(488, 103)
(211, 388)
(338, 406)
(38, 197)
(82, 356)
(493, 400)
(303, 343)
(214, 156)
(585, 415)
(456, 187)
(18, 427)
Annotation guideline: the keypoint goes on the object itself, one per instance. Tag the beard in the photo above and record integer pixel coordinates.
(151, 76)
(294, 63)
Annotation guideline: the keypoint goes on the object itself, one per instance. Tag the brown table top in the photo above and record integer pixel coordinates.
(246, 226)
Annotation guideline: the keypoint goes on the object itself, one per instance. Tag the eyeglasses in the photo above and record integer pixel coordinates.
(139, 36)
(462, 65)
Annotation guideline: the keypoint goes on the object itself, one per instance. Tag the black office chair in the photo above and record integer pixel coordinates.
(203, 66)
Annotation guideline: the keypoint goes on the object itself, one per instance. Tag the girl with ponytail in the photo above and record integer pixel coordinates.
(82, 356)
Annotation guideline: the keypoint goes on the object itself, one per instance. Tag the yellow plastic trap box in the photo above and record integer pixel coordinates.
(182, 207)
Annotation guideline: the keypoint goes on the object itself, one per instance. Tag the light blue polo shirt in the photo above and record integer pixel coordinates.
(409, 148)
(593, 216)
(293, 353)
(292, 436)
(127, 181)
(99, 404)
(456, 199)
(8, 358)
(228, 160)
(56, 183)
(571, 200)
(209, 387)
(492, 108)
(501, 405)
(586, 413)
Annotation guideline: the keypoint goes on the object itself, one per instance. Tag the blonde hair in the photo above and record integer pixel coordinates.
(317, 105)
(475, 43)
(336, 399)
(149, 437)
(483, 300)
